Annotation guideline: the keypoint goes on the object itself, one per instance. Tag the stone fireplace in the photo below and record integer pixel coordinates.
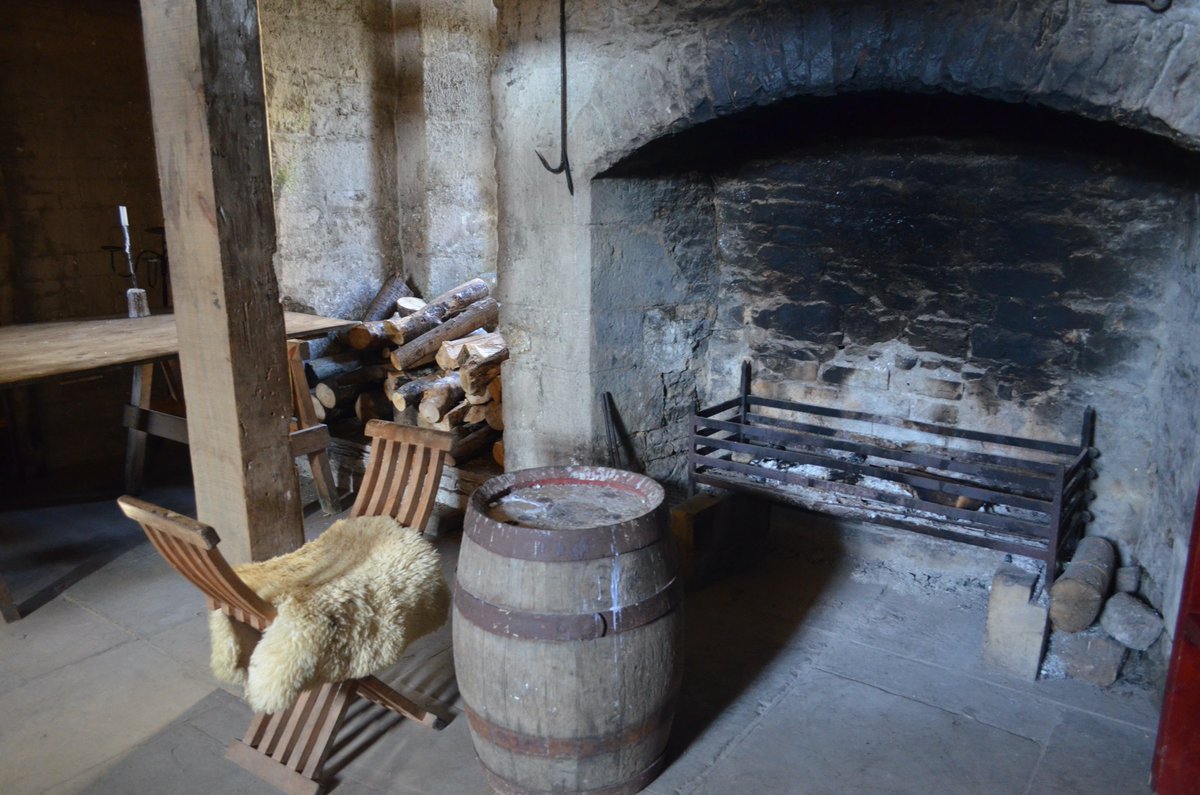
(978, 215)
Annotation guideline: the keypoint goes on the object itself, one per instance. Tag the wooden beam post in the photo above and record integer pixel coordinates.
(210, 128)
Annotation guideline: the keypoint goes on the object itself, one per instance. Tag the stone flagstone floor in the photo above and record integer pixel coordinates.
(808, 672)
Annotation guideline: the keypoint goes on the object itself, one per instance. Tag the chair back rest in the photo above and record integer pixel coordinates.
(190, 547)
(403, 473)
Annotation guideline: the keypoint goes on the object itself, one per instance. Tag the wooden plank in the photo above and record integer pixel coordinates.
(32, 352)
(306, 419)
(156, 423)
(204, 64)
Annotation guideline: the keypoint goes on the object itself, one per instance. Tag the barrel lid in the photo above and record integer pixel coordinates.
(515, 540)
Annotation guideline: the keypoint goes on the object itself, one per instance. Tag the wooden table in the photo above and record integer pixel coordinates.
(37, 352)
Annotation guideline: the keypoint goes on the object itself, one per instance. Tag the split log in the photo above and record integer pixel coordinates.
(476, 413)
(449, 421)
(481, 314)
(372, 405)
(329, 416)
(494, 415)
(470, 445)
(409, 305)
(495, 389)
(384, 302)
(371, 374)
(478, 399)
(1077, 596)
(478, 371)
(392, 382)
(368, 334)
(439, 397)
(318, 370)
(411, 392)
(330, 393)
(447, 355)
(484, 347)
(498, 452)
(438, 310)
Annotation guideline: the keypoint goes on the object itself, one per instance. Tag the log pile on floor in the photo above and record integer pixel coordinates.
(1099, 614)
(435, 364)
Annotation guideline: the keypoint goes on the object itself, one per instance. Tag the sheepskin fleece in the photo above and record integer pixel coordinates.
(349, 603)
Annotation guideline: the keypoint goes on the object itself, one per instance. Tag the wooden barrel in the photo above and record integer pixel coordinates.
(567, 628)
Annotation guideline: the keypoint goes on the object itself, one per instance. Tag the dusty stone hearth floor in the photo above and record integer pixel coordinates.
(803, 675)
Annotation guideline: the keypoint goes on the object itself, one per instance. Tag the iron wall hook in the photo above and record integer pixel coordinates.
(564, 165)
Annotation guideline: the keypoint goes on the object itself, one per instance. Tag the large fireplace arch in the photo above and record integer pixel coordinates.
(643, 72)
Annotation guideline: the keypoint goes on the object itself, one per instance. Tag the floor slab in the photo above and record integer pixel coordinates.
(832, 735)
(90, 713)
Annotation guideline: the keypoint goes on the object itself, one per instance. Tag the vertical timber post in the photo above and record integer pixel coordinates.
(210, 129)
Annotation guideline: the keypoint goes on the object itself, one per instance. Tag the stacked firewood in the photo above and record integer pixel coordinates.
(434, 364)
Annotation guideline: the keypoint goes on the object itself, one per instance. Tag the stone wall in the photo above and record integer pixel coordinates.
(381, 146)
(640, 72)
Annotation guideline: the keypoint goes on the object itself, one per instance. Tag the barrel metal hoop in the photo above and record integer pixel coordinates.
(631, 787)
(529, 625)
(656, 726)
(592, 543)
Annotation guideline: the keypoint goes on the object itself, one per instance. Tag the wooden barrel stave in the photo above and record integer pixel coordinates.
(593, 695)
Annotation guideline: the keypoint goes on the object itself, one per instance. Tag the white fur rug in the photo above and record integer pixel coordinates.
(349, 603)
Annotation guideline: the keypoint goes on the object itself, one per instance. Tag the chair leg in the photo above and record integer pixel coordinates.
(288, 750)
(375, 690)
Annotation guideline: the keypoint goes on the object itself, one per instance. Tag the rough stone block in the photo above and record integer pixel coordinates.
(1016, 628)
(1128, 579)
(1131, 621)
(1090, 656)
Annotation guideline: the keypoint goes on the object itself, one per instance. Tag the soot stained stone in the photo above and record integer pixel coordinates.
(863, 324)
(941, 335)
(800, 321)
(1048, 320)
(1021, 351)
(1105, 350)
(1101, 275)
(840, 294)
(787, 260)
(1015, 283)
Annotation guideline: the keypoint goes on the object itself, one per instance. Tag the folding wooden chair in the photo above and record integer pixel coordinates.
(289, 749)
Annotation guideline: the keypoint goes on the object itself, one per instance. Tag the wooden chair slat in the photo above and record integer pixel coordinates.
(400, 480)
(414, 486)
(407, 434)
(390, 453)
(297, 719)
(271, 736)
(377, 462)
(335, 712)
(431, 477)
(256, 730)
(321, 701)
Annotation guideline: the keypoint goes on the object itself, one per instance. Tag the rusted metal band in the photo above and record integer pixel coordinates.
(531, 543)
(655, 727)
(565, 626)
(634, 785)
